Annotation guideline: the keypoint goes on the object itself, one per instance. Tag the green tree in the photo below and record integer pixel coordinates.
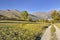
(55, 15)
(24, 15)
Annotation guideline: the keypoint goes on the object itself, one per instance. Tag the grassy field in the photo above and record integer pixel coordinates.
(22, 31)
(58, 25)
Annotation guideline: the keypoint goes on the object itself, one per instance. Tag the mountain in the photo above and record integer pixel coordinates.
(13, 14)
(45, 15)
(10, 13)
(33, 17)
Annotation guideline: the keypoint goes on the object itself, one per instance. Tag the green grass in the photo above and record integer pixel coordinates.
(20, 31)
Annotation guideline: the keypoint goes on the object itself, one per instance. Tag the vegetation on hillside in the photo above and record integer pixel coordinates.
(24, 15)
(15, 15)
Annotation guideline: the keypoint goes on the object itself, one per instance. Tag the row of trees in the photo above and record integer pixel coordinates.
(55, 16)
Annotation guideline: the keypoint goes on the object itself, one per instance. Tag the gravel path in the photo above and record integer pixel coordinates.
(47, 34)
(51, 36)
(57, 32)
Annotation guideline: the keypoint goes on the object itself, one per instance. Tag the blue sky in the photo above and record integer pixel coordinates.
(30, 5)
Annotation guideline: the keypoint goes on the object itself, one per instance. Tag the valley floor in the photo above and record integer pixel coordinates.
(22, 31)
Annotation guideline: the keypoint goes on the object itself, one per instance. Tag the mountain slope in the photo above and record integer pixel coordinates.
(44, 15)
(9, 13)
(13, 14)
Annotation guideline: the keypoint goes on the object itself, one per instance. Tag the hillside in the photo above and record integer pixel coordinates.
(13, 14)
(10, 14)
(16, 15)
(44, 15)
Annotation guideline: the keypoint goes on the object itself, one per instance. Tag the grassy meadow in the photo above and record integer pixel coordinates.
(22, 31)
(58, 25)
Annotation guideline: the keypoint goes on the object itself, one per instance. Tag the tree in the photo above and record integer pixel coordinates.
(43, 20)
(24, 15)
(55, 15)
